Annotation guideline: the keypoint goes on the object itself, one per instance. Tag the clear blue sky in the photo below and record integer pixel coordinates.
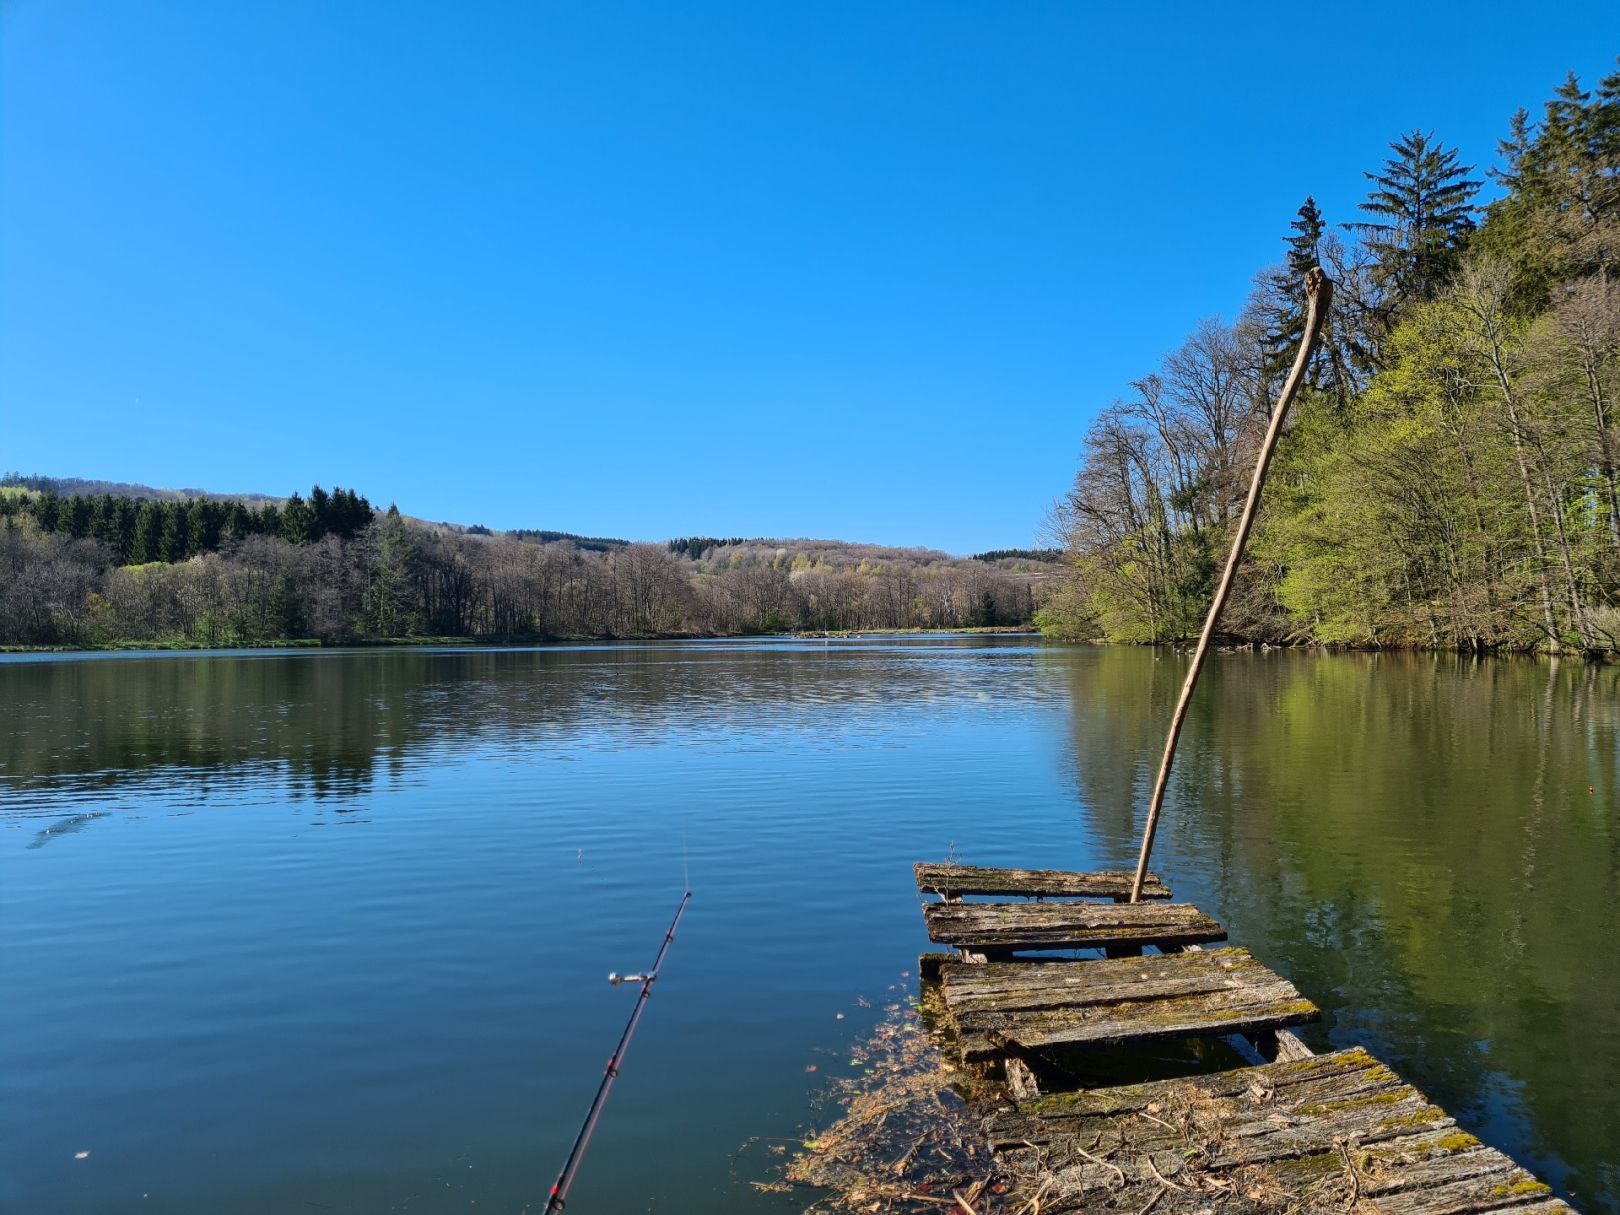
(855, 270)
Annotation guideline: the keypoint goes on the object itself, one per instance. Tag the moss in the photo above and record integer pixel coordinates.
(1457, 1141)
(1353, 1103)
(1302, 1170)
(1406, 1122)
(1066, 1103)
(1518, 1189)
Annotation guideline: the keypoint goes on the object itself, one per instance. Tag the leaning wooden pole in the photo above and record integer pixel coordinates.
(1318, 294)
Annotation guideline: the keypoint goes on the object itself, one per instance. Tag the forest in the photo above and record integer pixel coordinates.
(1449, 479)
(115, 569)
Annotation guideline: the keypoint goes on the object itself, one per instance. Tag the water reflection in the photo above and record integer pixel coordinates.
(1427, 845)
(65, 826)
(332, 724)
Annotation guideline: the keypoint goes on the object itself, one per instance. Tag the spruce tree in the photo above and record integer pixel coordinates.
(176, 539)
(47, 511)
(76, 517)
(1424, 209)
(320, 513)
(124, 527)
(148, 539)
(1340, 361)
(1286, 323)
(201, 536)
(297, 523)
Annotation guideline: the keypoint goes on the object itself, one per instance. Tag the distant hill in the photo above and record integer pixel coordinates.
(68, 486)
(111, 563)
(699, 549)
(1052, 556)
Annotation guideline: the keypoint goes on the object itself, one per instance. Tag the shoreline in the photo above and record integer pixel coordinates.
(409, 643)
(1180, 648)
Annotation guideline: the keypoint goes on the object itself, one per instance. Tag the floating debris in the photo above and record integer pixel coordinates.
(904, 1138)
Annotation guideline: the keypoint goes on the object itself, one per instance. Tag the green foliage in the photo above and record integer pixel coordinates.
(590, 544)
(696, 546)
(1422, 204)
(1050, 556)
(1465, 493)
(302, 572)
(138, 530)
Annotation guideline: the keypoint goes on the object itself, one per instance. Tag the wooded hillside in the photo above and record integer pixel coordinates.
(1450, 479)
(83, 570)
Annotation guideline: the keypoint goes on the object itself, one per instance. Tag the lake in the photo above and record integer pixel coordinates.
(331, 930)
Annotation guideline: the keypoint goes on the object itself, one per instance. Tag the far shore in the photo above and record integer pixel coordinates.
(1228, 644)
(315, 643)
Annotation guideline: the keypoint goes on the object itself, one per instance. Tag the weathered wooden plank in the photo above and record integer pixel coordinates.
(1093, 1003)
(1272, 1045)
(990, 927)
(1312, 1134)
(951, 881)
(1059, 984)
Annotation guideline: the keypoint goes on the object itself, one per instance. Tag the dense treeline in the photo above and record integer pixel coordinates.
(1451, 475)
(1052, 555)
(138, 530)
(105, 570)
(695, 546)
(595, 544)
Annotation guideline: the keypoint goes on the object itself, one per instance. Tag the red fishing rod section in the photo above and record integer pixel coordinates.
(565, 1179)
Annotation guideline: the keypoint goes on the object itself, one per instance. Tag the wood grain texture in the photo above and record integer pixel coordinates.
(1067, 925)
(1336, 1132)
(1110, 1001)
(951, 881)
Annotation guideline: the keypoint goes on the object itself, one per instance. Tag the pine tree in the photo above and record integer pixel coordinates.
(297, 525)
(387, 593)
(198, 537)
(147, 544)
(320, 513)
(47, 511)
(104, 520)
(1286, 323)
(1423, 201)
(176, 536)
(1340, 361)
(75, 518)
(124, 528)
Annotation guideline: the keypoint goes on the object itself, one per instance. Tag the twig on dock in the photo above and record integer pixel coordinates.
(1350, 1166)
(1161, 1122)
(1114, 1168)
(1147, 1158)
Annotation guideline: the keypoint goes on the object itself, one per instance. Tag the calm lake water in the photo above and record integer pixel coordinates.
(329, 931)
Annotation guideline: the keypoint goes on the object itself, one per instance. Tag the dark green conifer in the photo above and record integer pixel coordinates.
(1424, 209)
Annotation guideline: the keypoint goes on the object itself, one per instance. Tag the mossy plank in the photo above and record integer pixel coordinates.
(1262, 1138)
(1059, 984)
(1118, 1000)
(951, 881)
(1067, 925)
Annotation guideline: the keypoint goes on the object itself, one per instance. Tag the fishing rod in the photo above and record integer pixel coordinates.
(565, 1179)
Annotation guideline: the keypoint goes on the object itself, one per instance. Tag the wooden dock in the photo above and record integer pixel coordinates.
(1299, 1132)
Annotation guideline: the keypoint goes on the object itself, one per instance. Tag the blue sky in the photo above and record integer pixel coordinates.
(853, 270)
